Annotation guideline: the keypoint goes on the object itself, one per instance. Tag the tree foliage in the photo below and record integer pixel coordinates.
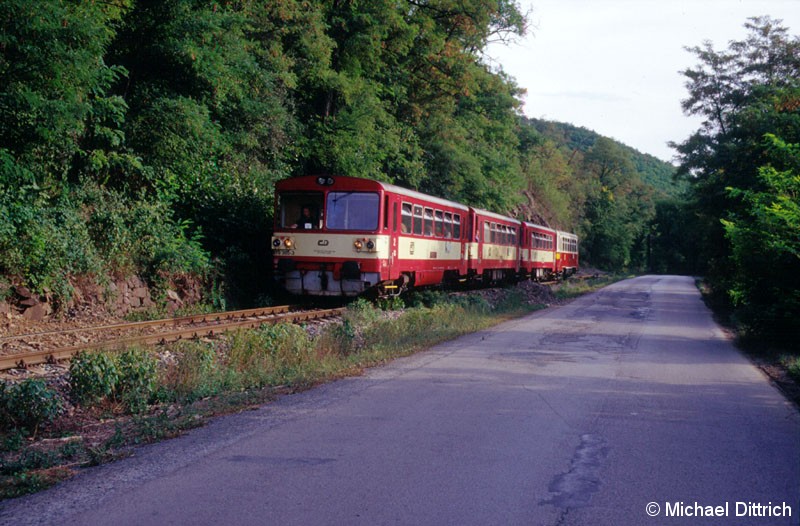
(765, 244)
(741, 163)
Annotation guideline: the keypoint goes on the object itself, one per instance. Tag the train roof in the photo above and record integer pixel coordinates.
(541, 227)
(496, 216)
(302, 182)
(423, 197)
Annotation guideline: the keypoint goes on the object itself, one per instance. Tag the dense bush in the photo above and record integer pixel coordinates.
(28, 404)
(129, 377)
(93, 376)
(137, 379)
(87, 229)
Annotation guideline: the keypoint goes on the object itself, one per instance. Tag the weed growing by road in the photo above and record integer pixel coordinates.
(792, 364)
(573, 288)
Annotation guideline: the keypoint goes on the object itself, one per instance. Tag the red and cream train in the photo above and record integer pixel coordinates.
(345, 236)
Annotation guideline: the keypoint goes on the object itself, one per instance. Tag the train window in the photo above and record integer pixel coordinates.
(407, 220)
(352, 211)
(487, 232)
(299, 210)
(428, 222)
(448, 225)
(513, 233)
(394, 217)
(418, 220)
(438, 223)
(386, 212)
(457, 226)
(542, 241)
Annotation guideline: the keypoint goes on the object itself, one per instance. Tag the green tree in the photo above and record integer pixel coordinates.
(618, 208)
(744, 93)
(765, 245)
(55, 112)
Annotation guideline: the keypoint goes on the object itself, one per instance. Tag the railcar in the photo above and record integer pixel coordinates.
(538, 258)
(566, 254)
(343, 236)
(493, 251)
(346, 236)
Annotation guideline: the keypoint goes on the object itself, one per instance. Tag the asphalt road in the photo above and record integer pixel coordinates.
(594, 413)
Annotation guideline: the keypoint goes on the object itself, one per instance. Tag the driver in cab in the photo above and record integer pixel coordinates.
(307, 220)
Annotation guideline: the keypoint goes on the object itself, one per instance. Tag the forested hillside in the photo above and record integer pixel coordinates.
(605, 191)
(144, 137)
(653, 171)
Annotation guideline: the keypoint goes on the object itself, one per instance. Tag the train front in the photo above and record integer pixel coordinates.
(328, 239)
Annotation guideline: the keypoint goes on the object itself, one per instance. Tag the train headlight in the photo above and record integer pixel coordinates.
(358, 244)
(370, 245)
(276, 242)
(288, 243)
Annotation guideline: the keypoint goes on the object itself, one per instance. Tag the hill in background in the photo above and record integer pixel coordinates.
(653, 171)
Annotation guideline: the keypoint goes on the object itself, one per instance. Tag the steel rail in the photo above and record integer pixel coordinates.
(195, 318)
(22, 360)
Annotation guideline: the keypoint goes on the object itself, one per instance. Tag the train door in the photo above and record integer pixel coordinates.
(395, 220)
(477, 243)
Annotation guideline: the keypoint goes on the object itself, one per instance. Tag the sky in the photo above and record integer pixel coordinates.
(613, 66)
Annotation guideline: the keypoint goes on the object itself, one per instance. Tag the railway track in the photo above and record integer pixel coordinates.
(24, 350)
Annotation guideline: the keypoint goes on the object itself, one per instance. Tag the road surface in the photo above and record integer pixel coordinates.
(628, 406)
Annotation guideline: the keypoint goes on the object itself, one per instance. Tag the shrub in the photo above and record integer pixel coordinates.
(428, 298)
(92, 376)
(28, 404)
(136, 383)
(473, 303)
(391, 303)
(792, 364)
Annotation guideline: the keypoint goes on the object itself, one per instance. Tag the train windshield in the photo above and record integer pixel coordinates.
(300, 210)
(352, 211)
